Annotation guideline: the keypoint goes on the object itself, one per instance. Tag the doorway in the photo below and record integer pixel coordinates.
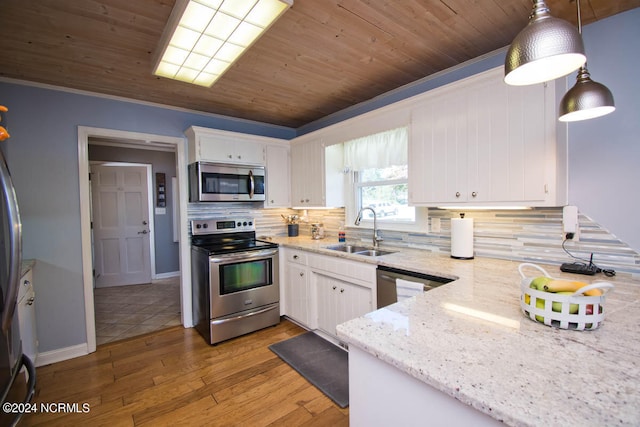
(139, 141)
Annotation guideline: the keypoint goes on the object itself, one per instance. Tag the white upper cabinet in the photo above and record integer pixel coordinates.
(211, 145)
(482, 142)
(317, 179)
(278, 176)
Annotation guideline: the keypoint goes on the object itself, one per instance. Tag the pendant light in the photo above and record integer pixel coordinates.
(547, 48)
(586, 99)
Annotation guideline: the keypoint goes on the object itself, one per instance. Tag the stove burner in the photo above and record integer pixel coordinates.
(219, 236)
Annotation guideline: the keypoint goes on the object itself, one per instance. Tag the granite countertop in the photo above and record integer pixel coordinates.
(510, 367)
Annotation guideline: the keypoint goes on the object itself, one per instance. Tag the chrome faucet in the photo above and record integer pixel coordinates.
(376, 238)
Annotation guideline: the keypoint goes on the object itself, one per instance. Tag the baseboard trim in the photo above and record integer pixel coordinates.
(166, 275)
(59, 355)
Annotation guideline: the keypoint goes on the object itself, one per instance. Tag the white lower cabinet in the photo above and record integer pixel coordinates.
(27, 316)
(321, 291)
(339, 301)
(299, 301)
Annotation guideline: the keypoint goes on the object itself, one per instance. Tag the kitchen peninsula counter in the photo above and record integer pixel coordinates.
(469, 340)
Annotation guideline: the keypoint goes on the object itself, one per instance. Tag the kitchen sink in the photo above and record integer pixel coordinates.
(348, 248)
(373, 252)
(358, 250)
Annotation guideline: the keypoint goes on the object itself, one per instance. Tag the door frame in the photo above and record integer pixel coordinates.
(131, 140)
(150, 210)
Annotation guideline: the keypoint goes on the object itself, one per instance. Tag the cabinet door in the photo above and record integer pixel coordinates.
(438, 151)
(27, 316)
(277, 171)
(356, 301)
(339, 301)
(483, 142)
(307, 177)
(297, 297)
(507, 142)
(327, 289)
(216, 149)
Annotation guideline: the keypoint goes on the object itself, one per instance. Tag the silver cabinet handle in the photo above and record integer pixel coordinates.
(457, 194)
(26, 283)
(474, 194)
(334, 288)
(341, 290)
(301, 274)
(295, 257)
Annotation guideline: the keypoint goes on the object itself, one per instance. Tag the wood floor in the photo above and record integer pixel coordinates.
(173, 377)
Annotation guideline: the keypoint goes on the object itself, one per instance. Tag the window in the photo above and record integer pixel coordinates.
(385, 190)
(378, 164)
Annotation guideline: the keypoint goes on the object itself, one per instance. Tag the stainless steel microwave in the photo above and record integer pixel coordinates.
(216, 182)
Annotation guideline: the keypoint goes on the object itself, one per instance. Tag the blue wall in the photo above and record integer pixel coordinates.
(604, 153)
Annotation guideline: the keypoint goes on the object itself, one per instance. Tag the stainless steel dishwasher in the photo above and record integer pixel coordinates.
(387, 291)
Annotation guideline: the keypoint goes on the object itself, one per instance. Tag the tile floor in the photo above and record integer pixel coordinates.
(127, 311)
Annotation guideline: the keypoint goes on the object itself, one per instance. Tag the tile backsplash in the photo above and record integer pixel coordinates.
(533, 235)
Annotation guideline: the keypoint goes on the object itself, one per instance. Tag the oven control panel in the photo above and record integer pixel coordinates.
(222, 225)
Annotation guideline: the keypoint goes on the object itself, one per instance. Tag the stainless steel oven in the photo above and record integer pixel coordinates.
(235, 281)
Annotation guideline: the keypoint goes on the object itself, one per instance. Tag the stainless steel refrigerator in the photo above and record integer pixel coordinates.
(15, 389)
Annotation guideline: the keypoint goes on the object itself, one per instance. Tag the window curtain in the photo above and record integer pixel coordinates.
(380, 150)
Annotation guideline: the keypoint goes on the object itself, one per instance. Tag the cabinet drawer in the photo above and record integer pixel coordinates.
(358, 272)
(298, 257)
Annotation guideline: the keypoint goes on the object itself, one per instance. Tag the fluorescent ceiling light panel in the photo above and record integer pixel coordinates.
(203, 38)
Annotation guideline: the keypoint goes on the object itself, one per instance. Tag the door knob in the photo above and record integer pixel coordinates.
(143, 232)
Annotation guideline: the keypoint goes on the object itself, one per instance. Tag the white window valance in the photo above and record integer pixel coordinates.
(380, 150)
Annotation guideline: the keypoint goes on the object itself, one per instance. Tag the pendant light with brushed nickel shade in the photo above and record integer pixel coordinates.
(586, 99)
(547, 48)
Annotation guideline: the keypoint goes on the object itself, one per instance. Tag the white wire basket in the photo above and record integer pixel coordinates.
(575, 311)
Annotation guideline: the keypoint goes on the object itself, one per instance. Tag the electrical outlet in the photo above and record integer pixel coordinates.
(570, 227)
(435, 225)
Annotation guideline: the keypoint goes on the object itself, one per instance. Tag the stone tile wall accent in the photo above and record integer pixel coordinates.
(532, 235)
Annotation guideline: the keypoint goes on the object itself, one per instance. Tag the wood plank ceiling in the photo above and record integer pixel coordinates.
(322, 56)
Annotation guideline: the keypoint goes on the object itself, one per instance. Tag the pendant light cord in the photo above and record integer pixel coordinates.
(579, 19)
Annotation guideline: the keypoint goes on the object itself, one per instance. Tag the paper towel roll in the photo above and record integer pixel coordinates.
(462, 238)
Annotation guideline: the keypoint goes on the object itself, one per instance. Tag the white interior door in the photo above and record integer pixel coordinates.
(121, 226)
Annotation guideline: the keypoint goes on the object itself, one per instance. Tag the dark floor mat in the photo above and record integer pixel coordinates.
(322, 363)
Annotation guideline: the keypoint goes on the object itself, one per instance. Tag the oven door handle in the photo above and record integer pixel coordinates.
(244, 316)
(252, 185)
(242, 256)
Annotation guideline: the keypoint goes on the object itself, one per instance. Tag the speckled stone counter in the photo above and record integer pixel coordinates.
(516, 370)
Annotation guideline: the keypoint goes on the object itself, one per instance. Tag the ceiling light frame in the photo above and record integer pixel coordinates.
(204, 38)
